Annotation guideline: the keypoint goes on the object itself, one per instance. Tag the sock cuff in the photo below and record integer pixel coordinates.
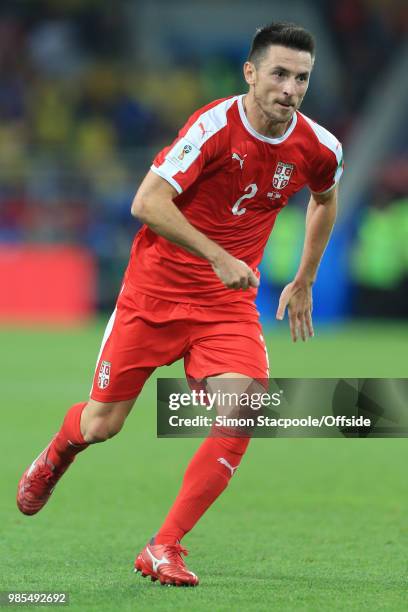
(237, 446)
(72, 425)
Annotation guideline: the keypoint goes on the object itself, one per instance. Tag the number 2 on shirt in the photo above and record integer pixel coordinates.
(236, 210)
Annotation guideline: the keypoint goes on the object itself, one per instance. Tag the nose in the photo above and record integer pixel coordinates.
(289, 87)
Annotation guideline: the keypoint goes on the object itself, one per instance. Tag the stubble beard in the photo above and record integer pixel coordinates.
(272, 118)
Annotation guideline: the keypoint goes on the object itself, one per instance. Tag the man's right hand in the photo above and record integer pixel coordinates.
(232, 272)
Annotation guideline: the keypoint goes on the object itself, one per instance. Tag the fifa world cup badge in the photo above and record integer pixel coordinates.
(104, 374)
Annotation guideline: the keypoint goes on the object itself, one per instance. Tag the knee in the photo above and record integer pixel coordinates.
(101, 421)
(101, 429)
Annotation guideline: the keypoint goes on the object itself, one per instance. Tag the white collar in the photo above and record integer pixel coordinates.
(259, 136)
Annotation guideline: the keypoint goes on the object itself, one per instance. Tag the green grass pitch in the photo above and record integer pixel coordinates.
(307, 524)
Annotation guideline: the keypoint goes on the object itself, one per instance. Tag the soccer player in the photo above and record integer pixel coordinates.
(208, 205)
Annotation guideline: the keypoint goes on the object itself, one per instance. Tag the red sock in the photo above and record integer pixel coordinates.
(206, 477)
(69, 441)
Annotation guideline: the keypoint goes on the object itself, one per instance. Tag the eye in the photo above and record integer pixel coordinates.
(302, 78)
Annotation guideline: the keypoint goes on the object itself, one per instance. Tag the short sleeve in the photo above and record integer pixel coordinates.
(327, 170)
(326, 164)
(197, 144)
(182, 162)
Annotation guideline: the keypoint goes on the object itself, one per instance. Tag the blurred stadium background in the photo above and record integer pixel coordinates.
(90, 91)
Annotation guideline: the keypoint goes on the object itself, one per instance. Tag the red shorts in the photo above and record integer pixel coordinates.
(145, 332)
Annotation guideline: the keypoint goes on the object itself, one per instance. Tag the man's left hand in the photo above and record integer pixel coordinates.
(297, 298)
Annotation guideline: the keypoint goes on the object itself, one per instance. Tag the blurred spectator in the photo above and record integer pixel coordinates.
(380, 255)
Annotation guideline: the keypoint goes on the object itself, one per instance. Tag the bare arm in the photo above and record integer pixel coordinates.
(297, 295)
(154, 206)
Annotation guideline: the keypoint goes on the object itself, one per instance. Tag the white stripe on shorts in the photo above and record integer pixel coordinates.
(107, 333)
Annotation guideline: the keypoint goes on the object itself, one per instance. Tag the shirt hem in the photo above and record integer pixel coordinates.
(204, 304)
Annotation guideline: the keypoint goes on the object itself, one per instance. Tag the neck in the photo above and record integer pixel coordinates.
(260, 121)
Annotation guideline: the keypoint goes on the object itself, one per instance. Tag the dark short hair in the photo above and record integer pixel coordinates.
(281, 33)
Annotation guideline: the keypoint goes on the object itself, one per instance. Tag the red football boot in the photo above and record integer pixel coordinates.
(38, 482)
(163, 562)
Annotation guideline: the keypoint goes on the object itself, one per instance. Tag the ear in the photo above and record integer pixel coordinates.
(250, 73)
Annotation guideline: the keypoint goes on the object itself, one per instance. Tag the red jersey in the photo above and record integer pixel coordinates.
(231, 183)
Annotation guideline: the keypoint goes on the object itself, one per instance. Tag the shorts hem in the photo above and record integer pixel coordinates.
(217, 372)
(107, 399)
